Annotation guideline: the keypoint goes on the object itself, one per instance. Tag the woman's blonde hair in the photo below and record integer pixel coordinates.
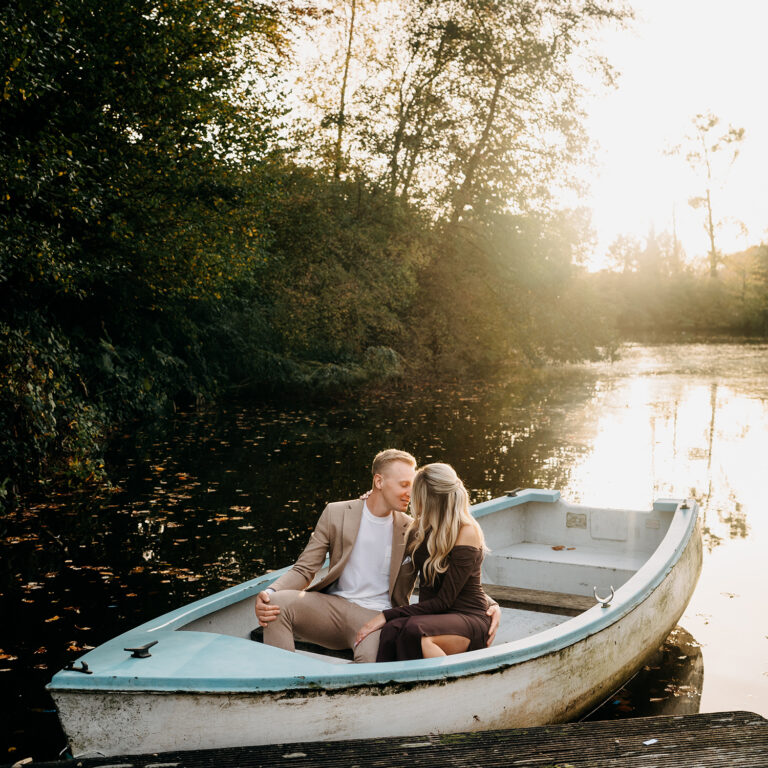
(440, 505)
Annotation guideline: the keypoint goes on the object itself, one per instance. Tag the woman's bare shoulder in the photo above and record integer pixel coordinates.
(468, 536)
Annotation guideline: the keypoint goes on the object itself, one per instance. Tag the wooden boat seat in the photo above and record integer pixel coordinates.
(562, 569)
(592, 556)
(539, 600)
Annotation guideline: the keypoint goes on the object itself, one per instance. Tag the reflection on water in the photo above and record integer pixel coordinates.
(216, 497)
(669, 683)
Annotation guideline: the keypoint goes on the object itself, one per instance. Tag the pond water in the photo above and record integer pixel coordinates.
(214, 497)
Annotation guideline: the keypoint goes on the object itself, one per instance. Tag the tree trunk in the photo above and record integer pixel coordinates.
(337, 163)
(421, 93)
(711, 233)
(463, 195)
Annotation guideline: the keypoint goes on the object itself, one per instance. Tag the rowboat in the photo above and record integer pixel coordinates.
(587, 594)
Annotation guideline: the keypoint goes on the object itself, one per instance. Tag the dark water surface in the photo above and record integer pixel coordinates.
(212, 498)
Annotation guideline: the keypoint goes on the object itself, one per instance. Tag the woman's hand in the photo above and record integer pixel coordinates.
(377, 622)
(495, 613)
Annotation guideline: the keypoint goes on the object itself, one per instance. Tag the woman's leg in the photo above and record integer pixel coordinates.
(443, 645)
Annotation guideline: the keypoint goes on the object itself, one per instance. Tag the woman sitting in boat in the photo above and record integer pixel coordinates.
(447, 549)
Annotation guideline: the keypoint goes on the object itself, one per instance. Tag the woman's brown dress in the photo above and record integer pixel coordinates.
(454, 605)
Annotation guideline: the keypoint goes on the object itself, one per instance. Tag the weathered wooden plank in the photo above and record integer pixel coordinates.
(713, 740)
(539, 600)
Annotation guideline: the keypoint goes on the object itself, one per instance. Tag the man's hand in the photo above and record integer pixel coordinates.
(265, 611)
(495, 613)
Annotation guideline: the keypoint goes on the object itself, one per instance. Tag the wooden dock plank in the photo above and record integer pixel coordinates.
(713, 740)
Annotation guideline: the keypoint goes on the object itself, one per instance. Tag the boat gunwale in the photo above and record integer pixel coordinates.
(306, 673)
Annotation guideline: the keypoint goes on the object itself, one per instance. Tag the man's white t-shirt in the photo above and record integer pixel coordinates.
(365, 578)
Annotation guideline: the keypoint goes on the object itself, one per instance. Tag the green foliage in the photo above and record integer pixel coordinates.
(647, 302)
(507, 293)
(343, 267)
(46, 423)
(127, 135)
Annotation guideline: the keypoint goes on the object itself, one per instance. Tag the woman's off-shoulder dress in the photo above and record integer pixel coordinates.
(454, 605)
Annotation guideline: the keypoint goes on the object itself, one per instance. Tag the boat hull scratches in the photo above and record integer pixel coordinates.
(558, 687)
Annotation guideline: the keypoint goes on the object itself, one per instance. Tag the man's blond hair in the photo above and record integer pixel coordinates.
(387, 457)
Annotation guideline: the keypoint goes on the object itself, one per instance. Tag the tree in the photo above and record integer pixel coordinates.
(467, 105)
(337, 40)
(512, 118)
(128, 133)
(624, 253)
(341, 116)
(710, 153)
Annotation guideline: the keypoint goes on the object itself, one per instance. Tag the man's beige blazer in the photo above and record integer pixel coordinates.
(335, 535)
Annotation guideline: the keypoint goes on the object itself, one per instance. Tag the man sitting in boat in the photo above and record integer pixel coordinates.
(369, 571)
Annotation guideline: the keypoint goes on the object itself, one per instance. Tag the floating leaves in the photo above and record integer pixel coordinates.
(76, 647)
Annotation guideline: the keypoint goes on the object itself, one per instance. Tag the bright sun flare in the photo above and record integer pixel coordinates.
(680, 58)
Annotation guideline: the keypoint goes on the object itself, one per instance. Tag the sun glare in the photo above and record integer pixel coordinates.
(678, 60)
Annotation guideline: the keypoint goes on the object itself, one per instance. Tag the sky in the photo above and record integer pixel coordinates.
(680, 58)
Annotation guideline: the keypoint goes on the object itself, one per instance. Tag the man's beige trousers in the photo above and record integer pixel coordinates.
(323, 619)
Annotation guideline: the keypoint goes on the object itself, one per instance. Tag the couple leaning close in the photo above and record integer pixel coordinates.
(376, 552)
